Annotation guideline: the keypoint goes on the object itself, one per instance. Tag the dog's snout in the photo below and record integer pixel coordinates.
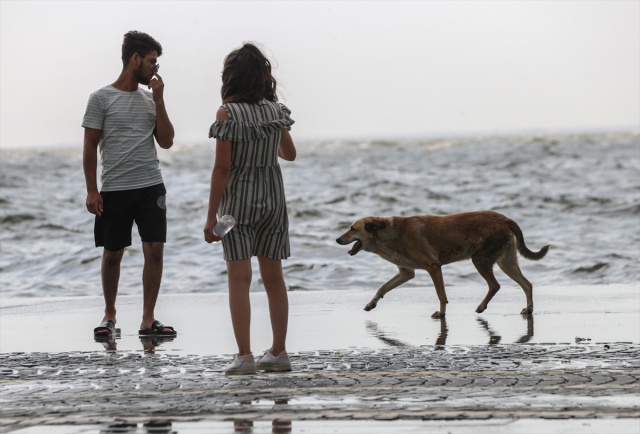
(343, 240)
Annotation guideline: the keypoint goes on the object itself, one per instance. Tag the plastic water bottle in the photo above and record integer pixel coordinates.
(224, 225)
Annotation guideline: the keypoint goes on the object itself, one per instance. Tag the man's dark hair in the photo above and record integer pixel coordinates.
(138, 42)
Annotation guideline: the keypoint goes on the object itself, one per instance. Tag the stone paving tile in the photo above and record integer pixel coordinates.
(424, 383)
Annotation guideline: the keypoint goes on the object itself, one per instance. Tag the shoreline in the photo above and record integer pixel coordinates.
(328, 320)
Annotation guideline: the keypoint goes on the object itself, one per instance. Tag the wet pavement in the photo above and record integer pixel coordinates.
(493, 385)
(572, 367)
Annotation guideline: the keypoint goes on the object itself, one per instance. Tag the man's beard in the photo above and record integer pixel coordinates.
(140, 78)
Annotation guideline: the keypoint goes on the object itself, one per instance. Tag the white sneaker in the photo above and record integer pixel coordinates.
(241, 365)
(269, 362)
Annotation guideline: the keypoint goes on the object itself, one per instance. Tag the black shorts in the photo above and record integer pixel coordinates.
(146, 206)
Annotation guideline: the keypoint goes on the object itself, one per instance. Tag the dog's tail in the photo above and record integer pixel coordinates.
(522, 247)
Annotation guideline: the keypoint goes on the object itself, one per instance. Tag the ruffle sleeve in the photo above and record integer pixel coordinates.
(239, 131)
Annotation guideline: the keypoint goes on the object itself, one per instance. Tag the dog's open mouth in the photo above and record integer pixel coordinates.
(356, 248)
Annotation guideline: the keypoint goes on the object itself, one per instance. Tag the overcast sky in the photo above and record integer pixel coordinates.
(347, 69)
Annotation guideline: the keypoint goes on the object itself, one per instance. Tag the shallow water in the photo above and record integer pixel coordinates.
(579, 193)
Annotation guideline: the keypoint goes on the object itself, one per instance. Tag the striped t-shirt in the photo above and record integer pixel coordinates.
(127, 148)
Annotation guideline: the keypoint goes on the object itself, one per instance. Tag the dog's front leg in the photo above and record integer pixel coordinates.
(403, 276)
(435, 272)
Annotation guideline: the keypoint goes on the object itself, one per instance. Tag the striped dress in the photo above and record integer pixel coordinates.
(255, 192)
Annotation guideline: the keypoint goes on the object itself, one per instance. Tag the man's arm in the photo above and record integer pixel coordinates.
(163, 132)
(90, 164)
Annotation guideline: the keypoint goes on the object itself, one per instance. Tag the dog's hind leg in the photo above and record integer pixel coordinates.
(403, 276)
(509, 264)
(485, 268)
(435, 271)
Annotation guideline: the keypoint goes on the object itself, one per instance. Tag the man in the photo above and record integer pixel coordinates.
(122, 120)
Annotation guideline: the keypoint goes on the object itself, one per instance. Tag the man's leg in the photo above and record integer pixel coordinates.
(110, 277)
(151, 218)
(151, 279)
(112, 231)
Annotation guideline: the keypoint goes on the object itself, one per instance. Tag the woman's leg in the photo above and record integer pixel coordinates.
(239, 273)
(273, 280)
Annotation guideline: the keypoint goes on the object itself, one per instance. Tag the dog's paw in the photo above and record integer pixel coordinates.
(370, 306)
(438, 314)
(527, 311)
(481, 309)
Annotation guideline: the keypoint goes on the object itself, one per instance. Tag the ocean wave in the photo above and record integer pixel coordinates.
(12, 219)
(578, 192)
(54, 227)
(593, 268)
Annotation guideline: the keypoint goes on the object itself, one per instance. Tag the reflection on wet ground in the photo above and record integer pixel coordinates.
(494, 337)
(247, 426)
(151, 427)
(494, 426)
(244, 426)
(278, 426)
(149, 343)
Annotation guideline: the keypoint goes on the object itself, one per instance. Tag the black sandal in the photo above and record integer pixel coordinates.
(107, 328)
(158, 329)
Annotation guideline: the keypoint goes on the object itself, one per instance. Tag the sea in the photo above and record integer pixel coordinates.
(580, 193)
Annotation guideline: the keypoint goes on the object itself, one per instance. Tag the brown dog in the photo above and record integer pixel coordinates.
(428, 242)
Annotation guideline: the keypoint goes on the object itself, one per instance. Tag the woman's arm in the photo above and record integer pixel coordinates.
(219, 180)
(286, 148)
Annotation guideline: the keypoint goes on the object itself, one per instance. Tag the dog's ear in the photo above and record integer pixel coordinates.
(375, 225)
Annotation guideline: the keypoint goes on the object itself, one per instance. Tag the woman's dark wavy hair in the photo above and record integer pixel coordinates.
(138, 42)
(246, 76)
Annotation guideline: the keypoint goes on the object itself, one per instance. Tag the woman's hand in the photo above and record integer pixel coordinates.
(209, 235)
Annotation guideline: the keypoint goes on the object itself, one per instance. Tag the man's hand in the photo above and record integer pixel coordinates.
(157, 87)
(94, 203)
(164, 130)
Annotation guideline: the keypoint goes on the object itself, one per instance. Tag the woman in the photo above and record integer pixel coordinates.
(251, 132)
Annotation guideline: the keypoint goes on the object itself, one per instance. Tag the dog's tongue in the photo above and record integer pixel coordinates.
(356, 248)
